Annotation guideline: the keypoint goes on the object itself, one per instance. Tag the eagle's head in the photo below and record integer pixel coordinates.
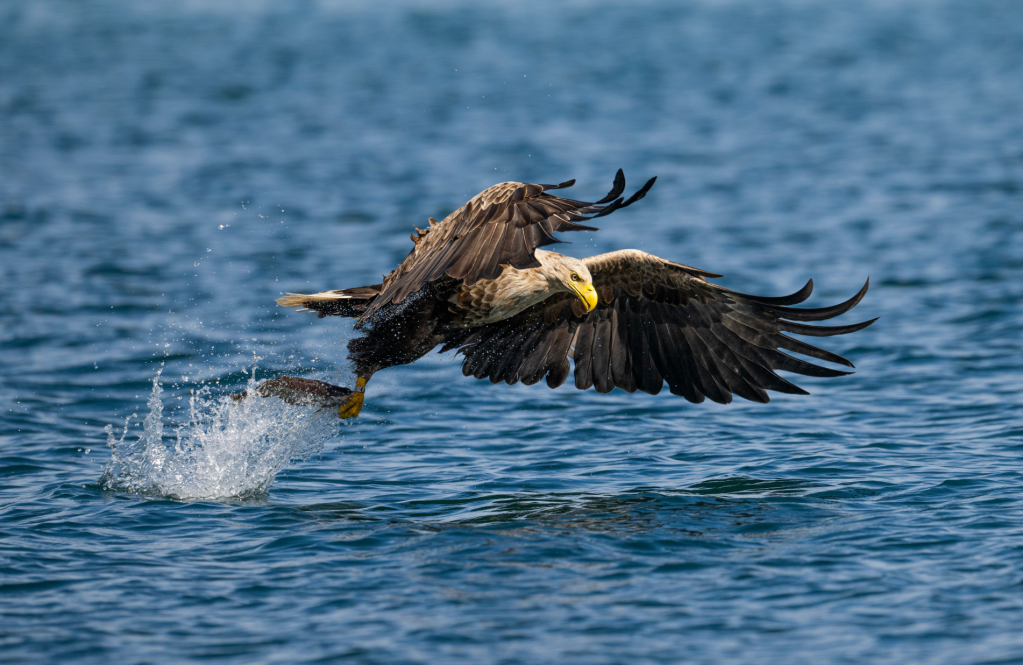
(570, 275)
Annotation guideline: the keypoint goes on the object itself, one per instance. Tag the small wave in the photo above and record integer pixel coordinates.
(224, 449)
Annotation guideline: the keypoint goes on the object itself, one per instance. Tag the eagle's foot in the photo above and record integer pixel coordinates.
(353, 405)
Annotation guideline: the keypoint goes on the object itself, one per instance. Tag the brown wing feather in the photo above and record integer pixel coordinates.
(502, 225)
(658, 321)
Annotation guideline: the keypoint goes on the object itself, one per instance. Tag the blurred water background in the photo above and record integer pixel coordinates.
(167, 169)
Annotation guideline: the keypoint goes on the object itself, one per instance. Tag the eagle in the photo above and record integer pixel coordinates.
(479, 283)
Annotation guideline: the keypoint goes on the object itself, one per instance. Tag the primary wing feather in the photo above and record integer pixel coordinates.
(658, 321)
(502, 225)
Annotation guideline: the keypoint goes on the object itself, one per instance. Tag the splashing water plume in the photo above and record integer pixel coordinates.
(225, 449)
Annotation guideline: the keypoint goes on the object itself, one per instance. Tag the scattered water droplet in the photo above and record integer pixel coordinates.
(223, 449)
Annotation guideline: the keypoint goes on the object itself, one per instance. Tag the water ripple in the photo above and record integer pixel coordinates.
(169, 169)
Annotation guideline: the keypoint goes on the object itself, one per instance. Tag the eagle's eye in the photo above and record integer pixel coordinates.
(575, 277)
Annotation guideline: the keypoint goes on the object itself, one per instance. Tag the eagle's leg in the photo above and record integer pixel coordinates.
(353, 404)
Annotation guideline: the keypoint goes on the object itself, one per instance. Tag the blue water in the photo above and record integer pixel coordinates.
(167, 169)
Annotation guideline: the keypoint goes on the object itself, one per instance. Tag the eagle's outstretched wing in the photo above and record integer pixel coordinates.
(502, 225)
(657, 321)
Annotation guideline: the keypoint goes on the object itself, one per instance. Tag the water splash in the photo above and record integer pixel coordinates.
(224, 449)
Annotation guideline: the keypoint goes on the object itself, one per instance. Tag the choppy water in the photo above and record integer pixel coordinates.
(167, 169)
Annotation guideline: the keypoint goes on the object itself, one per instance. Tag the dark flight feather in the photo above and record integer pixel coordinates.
(660, 322)
(502, 225)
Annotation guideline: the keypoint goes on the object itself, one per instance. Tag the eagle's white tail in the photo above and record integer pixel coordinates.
(340, 302)
(301, 299)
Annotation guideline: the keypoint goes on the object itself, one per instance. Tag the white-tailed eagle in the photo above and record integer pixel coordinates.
(478, 282)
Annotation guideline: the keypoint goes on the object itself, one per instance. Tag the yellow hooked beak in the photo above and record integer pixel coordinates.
(587, 294)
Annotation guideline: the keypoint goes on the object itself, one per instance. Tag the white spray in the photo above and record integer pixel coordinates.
(225, 449)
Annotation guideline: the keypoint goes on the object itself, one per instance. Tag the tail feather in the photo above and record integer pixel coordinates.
(341, 302)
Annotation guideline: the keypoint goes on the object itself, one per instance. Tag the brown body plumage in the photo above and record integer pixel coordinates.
(477, 281)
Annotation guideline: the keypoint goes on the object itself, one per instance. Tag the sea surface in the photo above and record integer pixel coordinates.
(169, 168)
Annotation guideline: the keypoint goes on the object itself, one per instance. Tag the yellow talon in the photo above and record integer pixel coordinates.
(353, 405)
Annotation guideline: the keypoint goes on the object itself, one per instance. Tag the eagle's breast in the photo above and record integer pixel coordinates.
(492, 300)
